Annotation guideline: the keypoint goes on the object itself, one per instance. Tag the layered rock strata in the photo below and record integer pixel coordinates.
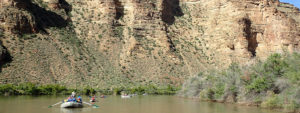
(121, 42)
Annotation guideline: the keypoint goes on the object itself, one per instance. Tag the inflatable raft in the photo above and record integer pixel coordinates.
(71, 105)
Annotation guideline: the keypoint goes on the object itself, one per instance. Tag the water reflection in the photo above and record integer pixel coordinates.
(75, 110)
(66, 110)
(115, 104)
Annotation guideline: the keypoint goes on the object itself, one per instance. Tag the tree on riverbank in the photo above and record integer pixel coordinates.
(273, 83)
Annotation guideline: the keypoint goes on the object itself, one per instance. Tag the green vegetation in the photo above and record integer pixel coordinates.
(53, 89)
(119, 31)
(67, 35)
(271, 102)
(100, 36)
(1, 33)
(32, 89)
(149, 89)
(28, 36)
(273, 83)
(88, 90)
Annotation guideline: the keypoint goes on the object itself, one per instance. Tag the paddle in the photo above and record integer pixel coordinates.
(54, 104)
(94, 105)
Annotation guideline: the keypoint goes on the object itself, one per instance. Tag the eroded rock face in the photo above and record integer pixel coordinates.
(16, 21)
(269, 30)
(26, 16)
(54, 4)
(153, 41)
(239, 31)
(175, 39)
(15, 3)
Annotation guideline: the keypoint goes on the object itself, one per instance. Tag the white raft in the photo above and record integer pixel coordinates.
(71, 105)
(126, 96)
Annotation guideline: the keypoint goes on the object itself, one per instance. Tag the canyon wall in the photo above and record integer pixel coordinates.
(108, 43)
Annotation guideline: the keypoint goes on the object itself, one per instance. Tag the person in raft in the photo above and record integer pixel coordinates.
(73, 94)
(71, 98)
(79, 100)
(93, 99)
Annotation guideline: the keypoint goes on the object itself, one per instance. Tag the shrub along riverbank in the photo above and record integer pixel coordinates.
(32, 89)
(53, 89)
(273, 83)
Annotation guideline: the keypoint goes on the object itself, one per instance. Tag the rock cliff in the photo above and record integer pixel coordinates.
(107, 43)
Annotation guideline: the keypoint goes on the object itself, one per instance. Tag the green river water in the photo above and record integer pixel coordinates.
(115, 104)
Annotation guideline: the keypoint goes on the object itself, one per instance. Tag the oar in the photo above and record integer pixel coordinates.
(94, 105)
(53, 105)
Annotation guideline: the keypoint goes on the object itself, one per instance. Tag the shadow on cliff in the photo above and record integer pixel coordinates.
(44, 18)
(66, 6)
(250, 35)
(171, 9)
(5, 57)
(119, 9)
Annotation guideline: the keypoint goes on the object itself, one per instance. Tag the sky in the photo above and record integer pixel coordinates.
(294, 2)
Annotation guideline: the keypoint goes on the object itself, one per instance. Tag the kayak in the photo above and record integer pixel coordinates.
(71, 105)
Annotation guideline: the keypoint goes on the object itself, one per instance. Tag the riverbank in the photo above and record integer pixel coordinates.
(54, 89)
(272, 84)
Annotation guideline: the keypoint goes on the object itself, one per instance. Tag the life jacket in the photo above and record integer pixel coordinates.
(74, 99)
(69, 100)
